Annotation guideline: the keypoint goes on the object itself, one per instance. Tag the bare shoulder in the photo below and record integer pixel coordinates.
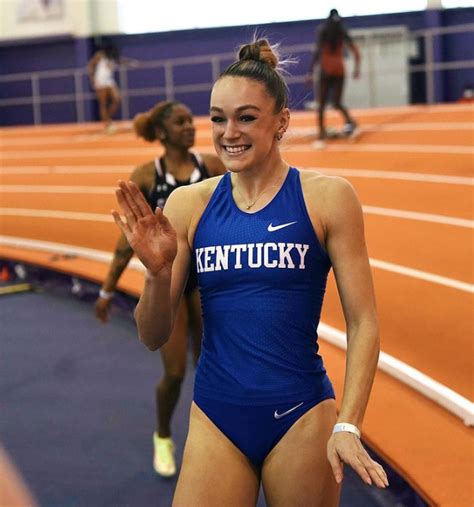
(213, 164)
(143, 176)
(328, 196)
(187, 203)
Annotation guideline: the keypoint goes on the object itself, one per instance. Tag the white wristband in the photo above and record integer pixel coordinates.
(346, 427)
(105, 295)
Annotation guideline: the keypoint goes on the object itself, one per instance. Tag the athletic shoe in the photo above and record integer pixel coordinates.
(163, 460)
(349, 129)
(110, 128)
(318, 145)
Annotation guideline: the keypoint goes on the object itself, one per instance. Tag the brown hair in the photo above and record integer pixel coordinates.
(145, 124)
(259, 61)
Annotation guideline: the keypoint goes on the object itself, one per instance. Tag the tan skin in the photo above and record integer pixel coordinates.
(13, 490)
(244, 114)
(177, 137)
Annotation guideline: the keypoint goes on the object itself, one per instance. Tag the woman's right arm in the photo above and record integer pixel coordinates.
(122, 255)
(161, 243)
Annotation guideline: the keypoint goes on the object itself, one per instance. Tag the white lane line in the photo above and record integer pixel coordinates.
(54, 169)
(395, 127)
(376, 263)
(414, 215)
(422, 275)
(205, 133)
(347, 147)
(420, 382)
(85, 153)
(63, 215)
(394, 175)
(57, 189)
(427, 386)
(368, 210)
(89, 139)
(356, 173)
(385, 148)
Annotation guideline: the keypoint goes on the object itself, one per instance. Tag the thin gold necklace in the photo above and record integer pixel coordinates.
(251, 204)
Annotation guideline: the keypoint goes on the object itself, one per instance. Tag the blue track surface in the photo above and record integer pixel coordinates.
(77, 408)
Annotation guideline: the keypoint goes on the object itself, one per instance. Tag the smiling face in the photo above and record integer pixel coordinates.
(245, 124)
(178, 129)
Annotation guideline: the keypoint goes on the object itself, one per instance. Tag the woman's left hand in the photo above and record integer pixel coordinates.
(344, 447)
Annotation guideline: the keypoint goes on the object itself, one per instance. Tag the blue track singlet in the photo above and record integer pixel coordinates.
(262, 278)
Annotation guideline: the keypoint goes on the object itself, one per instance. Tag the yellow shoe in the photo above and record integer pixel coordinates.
(163, 460)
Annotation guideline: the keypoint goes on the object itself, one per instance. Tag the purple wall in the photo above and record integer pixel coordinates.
(68, 53)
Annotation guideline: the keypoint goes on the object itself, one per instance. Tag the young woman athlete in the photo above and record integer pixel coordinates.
(328, 55)
(263, 238)
(172, 124)
(101, 68)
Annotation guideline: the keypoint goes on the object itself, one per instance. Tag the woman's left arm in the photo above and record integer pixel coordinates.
(345, 243)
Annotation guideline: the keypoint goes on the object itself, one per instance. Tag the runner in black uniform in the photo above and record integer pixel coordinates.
(172, 124)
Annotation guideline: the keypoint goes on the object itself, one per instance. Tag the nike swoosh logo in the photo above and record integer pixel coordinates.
(273, 228)
(276, 415)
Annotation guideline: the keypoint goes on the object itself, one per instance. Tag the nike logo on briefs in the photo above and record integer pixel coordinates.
(273, 228)
(276, 415)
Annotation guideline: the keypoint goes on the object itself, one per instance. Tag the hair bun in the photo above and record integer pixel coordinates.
(259, 51)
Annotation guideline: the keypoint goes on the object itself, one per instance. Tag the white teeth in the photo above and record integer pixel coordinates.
(235, 149)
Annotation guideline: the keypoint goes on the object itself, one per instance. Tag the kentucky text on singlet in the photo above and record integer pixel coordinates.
(262, 278)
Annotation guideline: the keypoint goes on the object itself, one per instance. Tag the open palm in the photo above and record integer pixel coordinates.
(151, 235)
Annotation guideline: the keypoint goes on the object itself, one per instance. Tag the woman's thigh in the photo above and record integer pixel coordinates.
(214, 472)
(173, 353)
(297, 471)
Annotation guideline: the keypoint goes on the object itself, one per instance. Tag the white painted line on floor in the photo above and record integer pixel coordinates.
(394, 175)
(370, 210)
(427, 386)
(414, 215)
(410, 376)
(57, 189)
(376, 263)
(62, 215)
(342, 147)
(53, 169)
(355, 173)
(439, 126)
(383, 148)
(422, 275)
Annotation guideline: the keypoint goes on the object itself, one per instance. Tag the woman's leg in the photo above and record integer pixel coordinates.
(323, 97)
(297, 471)
(103, 98)
(168, 390)
(338, 91)
(173, 355)
(114, 95)
(193, 302)
(214, 472)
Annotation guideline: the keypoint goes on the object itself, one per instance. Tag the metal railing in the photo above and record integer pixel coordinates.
(80, 96)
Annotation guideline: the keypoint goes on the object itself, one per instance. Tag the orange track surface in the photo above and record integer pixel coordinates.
(427, 325)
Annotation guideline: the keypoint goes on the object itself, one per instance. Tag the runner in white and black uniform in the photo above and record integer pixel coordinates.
(172, 124)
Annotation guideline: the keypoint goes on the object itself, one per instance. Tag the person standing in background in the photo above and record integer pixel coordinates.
(332, 39)
(171, 123)
(101, 69)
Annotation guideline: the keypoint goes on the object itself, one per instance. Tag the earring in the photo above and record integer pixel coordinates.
(279, 135)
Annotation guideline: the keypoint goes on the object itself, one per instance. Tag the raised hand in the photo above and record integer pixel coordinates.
(346, 448)
(151, 235)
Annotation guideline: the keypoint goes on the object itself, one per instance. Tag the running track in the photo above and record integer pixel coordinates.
(412, 168)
